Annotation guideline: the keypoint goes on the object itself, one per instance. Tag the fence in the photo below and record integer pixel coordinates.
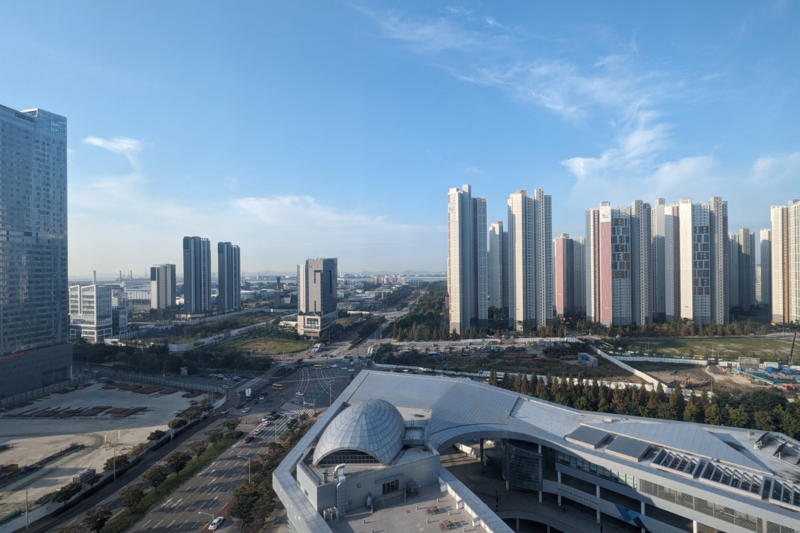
(675, 360)
(155, 380)
(36, 393)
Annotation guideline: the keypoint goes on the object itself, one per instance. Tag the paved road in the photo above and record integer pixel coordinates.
(205, 496)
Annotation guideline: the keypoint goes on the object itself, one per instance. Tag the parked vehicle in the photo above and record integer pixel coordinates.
(214, 525)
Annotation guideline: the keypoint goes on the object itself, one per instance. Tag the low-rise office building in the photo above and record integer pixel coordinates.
(375, 456)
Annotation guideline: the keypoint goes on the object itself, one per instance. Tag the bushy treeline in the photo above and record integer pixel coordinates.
(761, 410)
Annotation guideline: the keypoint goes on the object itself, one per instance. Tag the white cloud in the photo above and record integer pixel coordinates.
(119, 145)
(434, 36)
(124, 221)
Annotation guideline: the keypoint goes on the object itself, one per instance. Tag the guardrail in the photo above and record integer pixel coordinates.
(155, 380)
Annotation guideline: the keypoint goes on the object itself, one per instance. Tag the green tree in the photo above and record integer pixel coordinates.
(121, 462)
(231, 425)
(790, 422)
(176, 461)
(738, 417)
(618, 403)
(677, 402)
(132, 496)
(493, 377)
(763, 421)
(245, 498)
(155, 477)
(198, 448)
(177, 423)
(582, 403)
(66, 492)
(714, 415)
(156, 435)
(665, 411)
(214, 436)
(96, 518)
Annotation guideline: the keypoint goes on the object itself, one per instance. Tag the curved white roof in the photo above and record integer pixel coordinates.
(374, 426)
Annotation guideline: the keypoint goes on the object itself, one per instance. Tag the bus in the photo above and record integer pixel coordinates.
(277, 386)
(317, 367)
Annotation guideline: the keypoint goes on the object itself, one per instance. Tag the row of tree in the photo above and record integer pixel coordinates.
(254, 499)
(761, 410)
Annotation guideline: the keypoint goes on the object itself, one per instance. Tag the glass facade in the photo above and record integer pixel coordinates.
(522, 464)
(596, 470)
(33, 230)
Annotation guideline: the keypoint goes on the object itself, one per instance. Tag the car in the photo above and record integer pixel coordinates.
(225, 412)
(261, 397)
(214, 525)
(299, 394)
(248, 438)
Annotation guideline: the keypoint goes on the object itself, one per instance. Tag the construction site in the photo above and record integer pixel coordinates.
(47, 442)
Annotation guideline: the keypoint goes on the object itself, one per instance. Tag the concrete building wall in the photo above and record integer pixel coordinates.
(794, 260)
(672, 284)
(735, 254)
(564, 274)
(658, 258)
(765, 237)
(530, 259)
(467, 265)
(579, 274)
(196, 275)
(496, 267)
(162, 286)
(229, 277)
(35, 368)
(779, 263)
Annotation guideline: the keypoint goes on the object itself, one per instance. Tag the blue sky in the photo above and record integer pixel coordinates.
(305, 129)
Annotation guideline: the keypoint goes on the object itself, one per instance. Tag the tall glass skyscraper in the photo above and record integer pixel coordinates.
(229, 273)
(196, 275)
(34, 294)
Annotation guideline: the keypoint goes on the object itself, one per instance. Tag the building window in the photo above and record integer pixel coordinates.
(596, 470)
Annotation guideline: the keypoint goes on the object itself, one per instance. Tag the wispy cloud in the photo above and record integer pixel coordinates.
(119, 145)
(298, 226)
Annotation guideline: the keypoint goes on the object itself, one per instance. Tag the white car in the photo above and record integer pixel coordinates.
(299, 394)
(214, 525)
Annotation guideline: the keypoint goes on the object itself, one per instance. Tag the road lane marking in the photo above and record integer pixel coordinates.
(145, 524)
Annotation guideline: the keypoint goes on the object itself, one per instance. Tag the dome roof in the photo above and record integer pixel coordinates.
(374, 427)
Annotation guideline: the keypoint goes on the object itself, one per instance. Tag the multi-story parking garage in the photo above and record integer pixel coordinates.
(373, 462)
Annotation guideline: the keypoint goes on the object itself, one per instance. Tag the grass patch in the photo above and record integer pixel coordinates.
(766, 348)
(126, 518)
(266, 345)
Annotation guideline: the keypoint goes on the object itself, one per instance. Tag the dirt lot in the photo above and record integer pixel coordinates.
(33, 439)
(700, 377)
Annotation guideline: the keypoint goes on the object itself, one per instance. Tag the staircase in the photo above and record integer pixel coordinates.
(388, 500)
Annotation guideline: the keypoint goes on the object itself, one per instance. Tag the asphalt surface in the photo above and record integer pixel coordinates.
(206, 495)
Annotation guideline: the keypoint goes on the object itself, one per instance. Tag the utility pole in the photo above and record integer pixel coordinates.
(115, 463)
(27, 516)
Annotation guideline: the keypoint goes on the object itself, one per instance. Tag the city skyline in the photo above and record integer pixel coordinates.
(393, 105)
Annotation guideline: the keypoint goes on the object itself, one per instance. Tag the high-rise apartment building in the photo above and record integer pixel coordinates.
(34, 293)
(229, 277)
(196, 275)
(765, 287)
(162, 286)
(564, 274)
(90, 311)
(467, 272)
(530, 265)
(672, 263)
(704, 261)
(619, 282)
(579, 276)
(498, 266)
(794, 260)
(735, 247)
(747, 268)
(317, 281)
(779, 263)
(758, 284)
(658, 258)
